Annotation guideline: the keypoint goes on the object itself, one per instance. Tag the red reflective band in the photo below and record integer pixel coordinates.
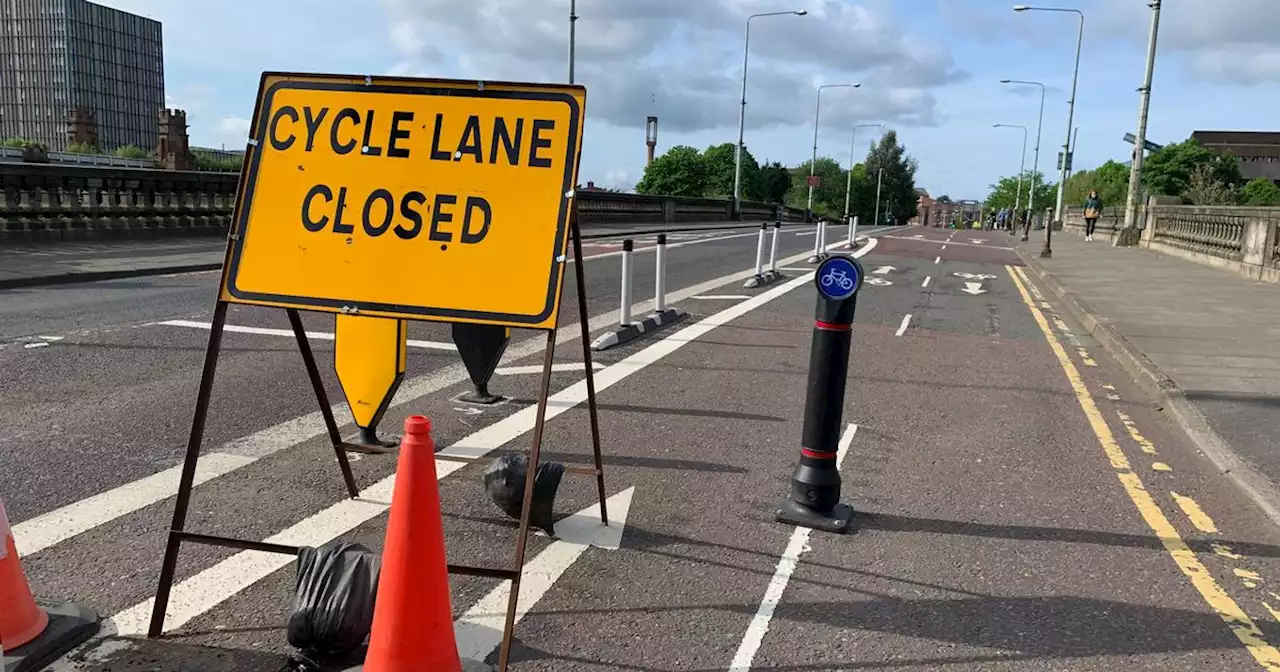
(817, 454)
(831, 326)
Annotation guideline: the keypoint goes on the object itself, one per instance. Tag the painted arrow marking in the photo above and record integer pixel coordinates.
(467, 410)
(479, 631)
(973, 276)
(884, 269)
(977, 241)
(974, 288)
(878, 281)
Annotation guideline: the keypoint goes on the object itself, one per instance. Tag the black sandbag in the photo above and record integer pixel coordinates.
(333, 599)
(504, 481)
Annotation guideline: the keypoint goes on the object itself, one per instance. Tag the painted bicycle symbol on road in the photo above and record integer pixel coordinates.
(837, 278)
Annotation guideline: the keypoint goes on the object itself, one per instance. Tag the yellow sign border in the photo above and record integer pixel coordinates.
(272, 82)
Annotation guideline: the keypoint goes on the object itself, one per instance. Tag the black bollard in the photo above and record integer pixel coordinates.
(815, 484)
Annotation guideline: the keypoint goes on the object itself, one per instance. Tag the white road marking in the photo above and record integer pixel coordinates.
(537, 368)
(902, 328)
(722, 297)
(973, 288)
(926, 281)
(53, 527)
(41, 344)
(479, 631)
(212, 586)
(318, 335)
(937, 260)
(796, 269)
(943, 247)
(796, 547)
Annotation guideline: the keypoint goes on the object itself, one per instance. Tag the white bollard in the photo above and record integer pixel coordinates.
(822, 237)
(660, 275)
(627, 247)
(760, 250)
(817, 243)
(773, 248)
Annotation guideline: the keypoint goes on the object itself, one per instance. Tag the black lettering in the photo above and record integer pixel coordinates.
(398, 133)
(410, 214)
(436, 154)
(340, 147)
(315, 225)
(390, 206)
(338, 226)
(511, 146)
(470, 143)
(539, 142)
(439, 216)
(370, 149)
(313, 124)
(475, 203)
(278, 144)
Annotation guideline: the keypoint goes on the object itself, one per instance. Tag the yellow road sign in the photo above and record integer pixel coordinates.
(408, 198)
(369, 355)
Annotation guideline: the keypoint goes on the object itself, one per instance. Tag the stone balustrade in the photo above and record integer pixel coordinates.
(1240, 239)
(57, 202)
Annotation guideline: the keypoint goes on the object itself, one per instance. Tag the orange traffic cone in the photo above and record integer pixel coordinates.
(413, 615)
(20, 619)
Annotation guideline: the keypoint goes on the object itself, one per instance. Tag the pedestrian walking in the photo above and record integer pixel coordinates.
(1092, 208)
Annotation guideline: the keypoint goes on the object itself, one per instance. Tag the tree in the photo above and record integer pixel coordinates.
(1110, 180)
(775, 181)
(720, 166)
(944, 199)
(1168, 170)
(1260, 192)
(828, 196)
(898, 181)
(1004, 192)
(681, 171)
(1204, 188)
(131, 152)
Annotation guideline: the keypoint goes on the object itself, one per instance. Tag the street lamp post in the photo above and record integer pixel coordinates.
(817, 109)
(1035, 164)
(848, 186)
(1022, 166)
(1071, 110)
(742, 111)
(573, 20)
(1140, 138)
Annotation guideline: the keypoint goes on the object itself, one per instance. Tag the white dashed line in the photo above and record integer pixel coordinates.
(937, 260)
(902, 328)
(926, 281)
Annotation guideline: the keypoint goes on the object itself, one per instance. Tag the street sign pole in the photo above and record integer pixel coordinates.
(814, 500)
(1127, 235)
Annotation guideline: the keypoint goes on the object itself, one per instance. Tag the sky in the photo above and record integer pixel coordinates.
(929, 69)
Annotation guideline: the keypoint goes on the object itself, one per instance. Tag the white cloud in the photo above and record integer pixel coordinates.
(686, 54)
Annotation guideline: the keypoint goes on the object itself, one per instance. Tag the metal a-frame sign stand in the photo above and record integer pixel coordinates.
(356, 86)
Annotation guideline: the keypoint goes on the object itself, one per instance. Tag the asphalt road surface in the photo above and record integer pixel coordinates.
(1021, 506)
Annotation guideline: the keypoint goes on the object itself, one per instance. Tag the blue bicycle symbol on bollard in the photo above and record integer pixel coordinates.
(838, 278)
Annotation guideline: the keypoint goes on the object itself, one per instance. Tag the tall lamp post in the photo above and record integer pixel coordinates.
(1071, 110)
(573, 20)
(742, 111)
(1022, 166)
(1035, 165)
(817, 109)
(1135, 170)
(848, 186)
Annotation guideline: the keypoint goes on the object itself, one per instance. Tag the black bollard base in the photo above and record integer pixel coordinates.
(481, 395)
(838, 520)
(368, 443)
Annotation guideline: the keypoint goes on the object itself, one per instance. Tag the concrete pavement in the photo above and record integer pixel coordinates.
(1200, 338)
(1022, 505)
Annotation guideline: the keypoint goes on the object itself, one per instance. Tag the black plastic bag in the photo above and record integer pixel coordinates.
(333, 600)
(504, 481)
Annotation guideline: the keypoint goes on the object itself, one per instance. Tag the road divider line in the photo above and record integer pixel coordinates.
(1238, 622)
(86, 514)
(215, 584)
(561, 367)
(318, 335)
(796, 546)
(1195, 514)
(937, 260)
(926, 281)
(902, 328)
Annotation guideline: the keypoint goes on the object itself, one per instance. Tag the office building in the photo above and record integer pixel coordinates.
(1257, 151)
(57, 56)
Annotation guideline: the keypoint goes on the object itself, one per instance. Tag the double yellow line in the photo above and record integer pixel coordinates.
(1236, 619)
